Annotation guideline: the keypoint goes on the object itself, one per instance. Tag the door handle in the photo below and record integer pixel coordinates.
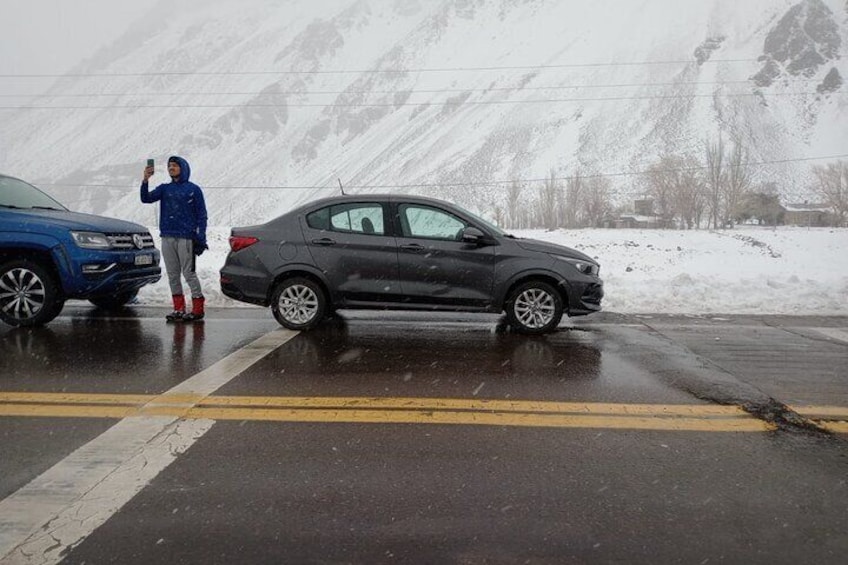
(324, 241)
(414, 247)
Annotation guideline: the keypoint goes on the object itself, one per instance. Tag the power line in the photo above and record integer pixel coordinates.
(377, 71)
(418, 104)
(471, 184)
(399, 91)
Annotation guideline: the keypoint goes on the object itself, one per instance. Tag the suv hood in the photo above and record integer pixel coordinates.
(553, 249)
(82, 222)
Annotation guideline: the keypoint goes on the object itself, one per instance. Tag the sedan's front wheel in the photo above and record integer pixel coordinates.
(299, 303)
(29, 294)
(534, 307)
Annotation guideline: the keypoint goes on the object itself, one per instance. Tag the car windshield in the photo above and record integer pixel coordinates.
(16, 193)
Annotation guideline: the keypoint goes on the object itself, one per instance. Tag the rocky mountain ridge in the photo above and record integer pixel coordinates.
(273, 103)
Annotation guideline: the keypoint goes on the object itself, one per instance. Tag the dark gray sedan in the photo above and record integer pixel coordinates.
(404, 253)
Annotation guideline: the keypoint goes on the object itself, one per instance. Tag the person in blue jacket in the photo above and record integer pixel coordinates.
(182, 224)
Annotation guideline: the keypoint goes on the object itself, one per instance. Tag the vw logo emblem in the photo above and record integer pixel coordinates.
(138, 240)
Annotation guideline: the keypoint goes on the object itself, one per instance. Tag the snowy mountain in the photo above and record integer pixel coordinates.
(272, 102)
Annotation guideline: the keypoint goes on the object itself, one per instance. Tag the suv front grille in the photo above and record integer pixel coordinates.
(125, 241)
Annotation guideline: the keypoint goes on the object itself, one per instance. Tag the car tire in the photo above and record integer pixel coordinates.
(534, 307)
(113, 301)
(29, 294)
(299, 303)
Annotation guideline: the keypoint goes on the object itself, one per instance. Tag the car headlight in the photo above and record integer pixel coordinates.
(91, 240)
(585, 267)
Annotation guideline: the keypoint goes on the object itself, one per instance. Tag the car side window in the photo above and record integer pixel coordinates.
(319, 219)
(359, 217)
(429, 223)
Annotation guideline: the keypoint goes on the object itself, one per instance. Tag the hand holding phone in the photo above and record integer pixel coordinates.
(148, 171)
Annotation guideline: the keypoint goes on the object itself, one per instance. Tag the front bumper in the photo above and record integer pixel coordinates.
(585, 298)
(101, 272)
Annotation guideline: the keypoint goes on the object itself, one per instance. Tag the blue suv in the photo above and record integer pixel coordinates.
(49, 254)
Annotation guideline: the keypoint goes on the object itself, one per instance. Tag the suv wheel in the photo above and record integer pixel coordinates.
(29, 295)
(299, 303)
(113, 301)
(534, 307)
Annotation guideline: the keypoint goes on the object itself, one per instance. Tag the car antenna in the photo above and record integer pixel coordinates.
(341, 187)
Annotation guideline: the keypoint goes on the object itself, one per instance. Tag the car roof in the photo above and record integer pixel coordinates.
(384, 197)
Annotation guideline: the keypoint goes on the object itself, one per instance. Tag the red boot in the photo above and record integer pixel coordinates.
(197, 311)
(179, 309)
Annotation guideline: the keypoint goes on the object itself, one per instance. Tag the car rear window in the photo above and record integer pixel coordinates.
(359, 217)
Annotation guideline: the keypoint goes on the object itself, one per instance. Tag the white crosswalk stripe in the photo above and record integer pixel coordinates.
(66, 503)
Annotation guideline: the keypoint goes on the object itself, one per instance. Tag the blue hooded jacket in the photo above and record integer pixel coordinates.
(182, 208)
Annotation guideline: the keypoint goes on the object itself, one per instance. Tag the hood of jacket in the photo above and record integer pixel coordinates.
(185, 170)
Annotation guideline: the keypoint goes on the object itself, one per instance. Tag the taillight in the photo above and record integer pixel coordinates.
(239, 242)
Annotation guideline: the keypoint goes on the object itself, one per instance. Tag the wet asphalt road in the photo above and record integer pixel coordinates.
(316, 486)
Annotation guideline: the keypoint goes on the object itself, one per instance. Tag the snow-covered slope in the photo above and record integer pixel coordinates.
(383, 94)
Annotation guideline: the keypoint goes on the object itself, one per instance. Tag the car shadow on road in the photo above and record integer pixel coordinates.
(342, 357)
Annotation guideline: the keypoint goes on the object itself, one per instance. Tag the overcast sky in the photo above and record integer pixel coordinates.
(51, 36)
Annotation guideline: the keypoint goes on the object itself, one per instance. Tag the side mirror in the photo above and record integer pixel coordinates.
(473, 235)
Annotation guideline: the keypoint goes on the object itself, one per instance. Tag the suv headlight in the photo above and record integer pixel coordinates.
(585, 267)
(91, 240)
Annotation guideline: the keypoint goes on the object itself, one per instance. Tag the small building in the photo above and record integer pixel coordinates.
(810, 215)
(633, 221)
(644, 207)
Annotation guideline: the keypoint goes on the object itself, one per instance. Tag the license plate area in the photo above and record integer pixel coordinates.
(141, 260)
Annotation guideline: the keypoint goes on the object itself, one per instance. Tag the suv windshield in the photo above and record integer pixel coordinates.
(16, 193)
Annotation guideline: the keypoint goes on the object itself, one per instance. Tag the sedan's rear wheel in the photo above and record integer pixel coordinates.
(534, 307)
(29, 294)
(299, 303)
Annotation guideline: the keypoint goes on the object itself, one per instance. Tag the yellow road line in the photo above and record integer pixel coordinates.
(475, 404)
(376, 416)
(822, 411)
(67, 411)
(72, 398)
(87, 398)
(834, 427)
(376, 402)
(695, 417)
(748, 424)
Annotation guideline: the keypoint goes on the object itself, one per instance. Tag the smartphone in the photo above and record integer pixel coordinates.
(150, 162)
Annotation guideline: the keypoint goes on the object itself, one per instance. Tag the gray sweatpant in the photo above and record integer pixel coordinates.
(178, 254)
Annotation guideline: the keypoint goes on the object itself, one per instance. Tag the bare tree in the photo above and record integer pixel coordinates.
(513, 205)
(498, 213)
(737, 181)
(832, 186)
(663, 184)
(676, 185)
(596, 202)
(762, 204)
(571, 207)
(547, 205)
(715, 177)
(692, 199)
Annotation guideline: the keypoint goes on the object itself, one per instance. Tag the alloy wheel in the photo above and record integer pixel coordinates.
(298, 304)
(22, 293)
(534, 308)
